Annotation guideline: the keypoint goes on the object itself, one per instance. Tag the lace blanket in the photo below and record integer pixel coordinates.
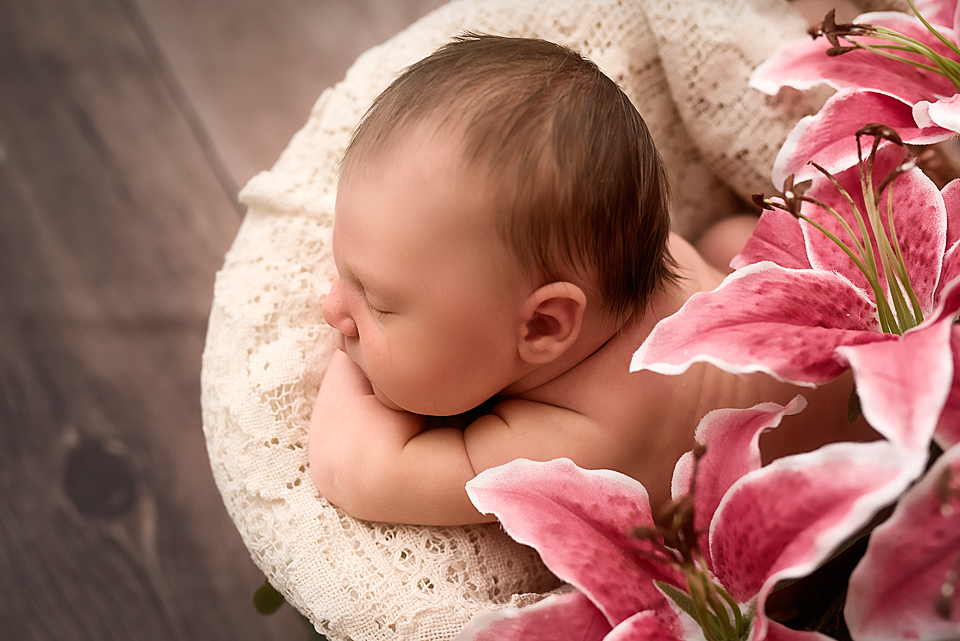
(684, 63)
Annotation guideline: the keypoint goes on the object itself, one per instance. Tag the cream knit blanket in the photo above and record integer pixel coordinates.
(684, 63)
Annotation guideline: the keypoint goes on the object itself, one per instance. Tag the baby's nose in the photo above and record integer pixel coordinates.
(335, 312)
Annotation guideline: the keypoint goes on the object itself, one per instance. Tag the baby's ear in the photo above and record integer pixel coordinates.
(553, 315)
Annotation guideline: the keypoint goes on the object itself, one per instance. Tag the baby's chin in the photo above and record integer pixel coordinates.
(389, 403)
(385, 400)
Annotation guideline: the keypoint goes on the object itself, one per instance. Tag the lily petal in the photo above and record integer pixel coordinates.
(948, 427)
(939, 12)
(563, 616)
(757, 538)
(904, 384)
(764, 318)
(581, 530)
(951, 200)
(732, 438)
(827, 138)
(777, 238)
(645, 626)
(946, 113)
(919, 215)
(803, 64)
(894, 590)
(950, 270)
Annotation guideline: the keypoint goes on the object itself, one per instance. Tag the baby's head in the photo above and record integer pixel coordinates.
(578, 181)
(510, 164)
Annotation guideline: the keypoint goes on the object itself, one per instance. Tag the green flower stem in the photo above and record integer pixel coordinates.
(947, 67)
(883, 245)
(884, 50)
(953, 47)
(707, 622)
(865, 253)
(870, 260)
(884, 314)
(894, 284)
(943, 66)
(873, 216)
(720, 612)
(867, 263)
(900, 265)
(737, 615)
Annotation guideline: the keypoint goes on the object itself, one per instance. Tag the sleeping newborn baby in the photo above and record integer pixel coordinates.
(502, 246)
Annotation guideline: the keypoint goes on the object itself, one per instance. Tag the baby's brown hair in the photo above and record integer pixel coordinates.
(579, 180)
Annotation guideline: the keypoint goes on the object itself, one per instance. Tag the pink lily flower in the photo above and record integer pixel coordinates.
(916, 94)
(734, 535)
(905, 587)
(799, 309)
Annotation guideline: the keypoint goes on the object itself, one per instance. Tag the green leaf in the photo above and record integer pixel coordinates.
(678, 596)
(266, 599)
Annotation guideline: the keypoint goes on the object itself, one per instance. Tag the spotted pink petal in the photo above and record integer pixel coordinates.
(777, 238)
(580, 523)
(894, 589)
(951, 201)
(939, 12)
(758, 538)
(948, 427)
(950, 270)
(645, 626)
(827, 138)
(764, 318)
(919, 215)
(947, 433)
(904, 384)
(901, 394)
(733, 451)
(564, 616)
(803, 64)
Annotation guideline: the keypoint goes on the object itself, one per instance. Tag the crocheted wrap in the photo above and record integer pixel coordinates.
(683, 63)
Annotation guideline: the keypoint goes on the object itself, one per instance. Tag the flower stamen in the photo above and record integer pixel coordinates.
(844, 33)
(898, 309)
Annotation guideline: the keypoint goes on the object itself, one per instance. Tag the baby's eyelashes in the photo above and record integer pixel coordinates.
(379, 313)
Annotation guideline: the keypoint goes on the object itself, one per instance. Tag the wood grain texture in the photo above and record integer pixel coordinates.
(112, 225)
(253, 68)
(125, 128)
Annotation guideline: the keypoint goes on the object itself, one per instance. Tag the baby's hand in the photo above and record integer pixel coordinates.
(350, 430)
(379, 464)
(343, 379)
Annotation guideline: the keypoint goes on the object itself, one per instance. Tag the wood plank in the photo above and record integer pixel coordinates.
(254, 69)
(112, 224)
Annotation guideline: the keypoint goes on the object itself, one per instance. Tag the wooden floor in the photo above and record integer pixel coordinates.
(126, 127)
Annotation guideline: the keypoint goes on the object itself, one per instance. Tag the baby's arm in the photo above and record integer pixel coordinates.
(380, 464)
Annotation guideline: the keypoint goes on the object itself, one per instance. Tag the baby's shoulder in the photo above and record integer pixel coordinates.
(603, 388)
